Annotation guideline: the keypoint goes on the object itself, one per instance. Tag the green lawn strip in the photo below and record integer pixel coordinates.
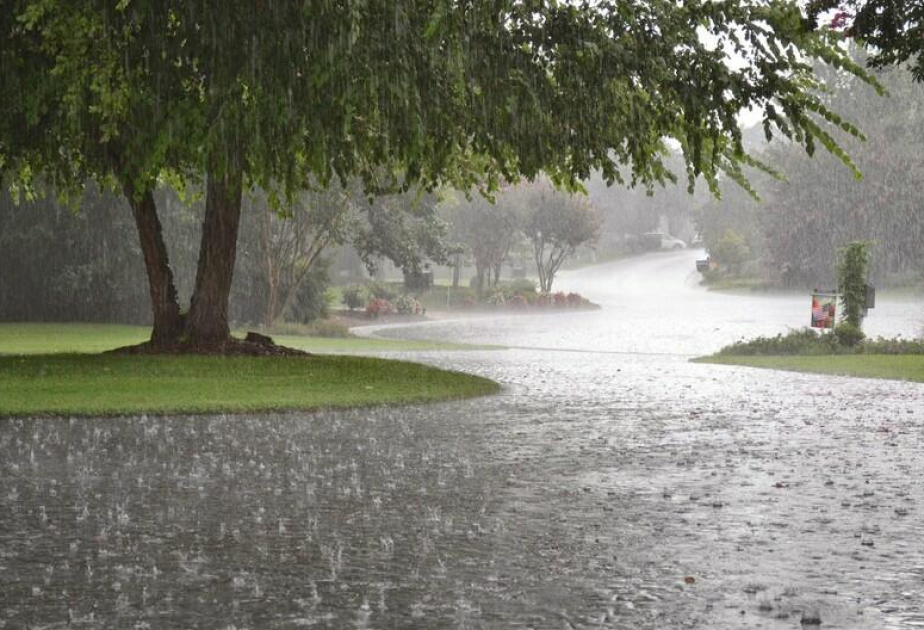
(357, 345)
(52, 338)
(94, 385)
(37, 338)
(899, 367)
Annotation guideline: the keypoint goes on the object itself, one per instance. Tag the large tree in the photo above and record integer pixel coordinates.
(279, 94)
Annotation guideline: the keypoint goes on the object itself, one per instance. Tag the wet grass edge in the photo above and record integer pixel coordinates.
(908, 368)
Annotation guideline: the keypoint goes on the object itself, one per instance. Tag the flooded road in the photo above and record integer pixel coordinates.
(612, 484)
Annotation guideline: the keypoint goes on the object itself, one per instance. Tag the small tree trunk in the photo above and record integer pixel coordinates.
(497, 272)
(479, 279)
(165, 306)
(272, 298)
(456, 271)
(208, 312)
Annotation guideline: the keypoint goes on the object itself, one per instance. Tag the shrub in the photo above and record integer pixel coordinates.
(520, 286)
(852, 267)
(731, 251)
(559, 299)
(408, 305)
(382, 291)
(319, 328)
(353, 296)
(897, 345)
(497, 297)
(327, 328)
(801, 341)
(848, 335)
(311, 297)
(518, 302)
(846, 339)
(575, 300)
(377, 307)
(543, 299)
(469, 301)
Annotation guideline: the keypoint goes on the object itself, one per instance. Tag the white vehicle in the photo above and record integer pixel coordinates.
(666, 240)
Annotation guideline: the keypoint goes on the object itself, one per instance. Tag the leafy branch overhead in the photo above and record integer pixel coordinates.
(442, 91)
(425, 93)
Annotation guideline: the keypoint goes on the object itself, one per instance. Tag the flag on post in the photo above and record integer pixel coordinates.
(824, 309)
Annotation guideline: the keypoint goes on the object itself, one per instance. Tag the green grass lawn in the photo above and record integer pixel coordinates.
(56, 369)
(91, 338)
(92, 385)
(907, 367)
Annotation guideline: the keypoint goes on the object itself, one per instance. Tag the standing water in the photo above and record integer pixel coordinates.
(611, 484)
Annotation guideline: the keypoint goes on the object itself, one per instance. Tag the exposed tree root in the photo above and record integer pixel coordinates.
(254, 345)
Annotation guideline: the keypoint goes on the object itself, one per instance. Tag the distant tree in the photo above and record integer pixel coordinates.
(852, 270)
(291, 243)
(556, 223)
(731, 251)
(487, 230)
(820, 207)
(291, 239)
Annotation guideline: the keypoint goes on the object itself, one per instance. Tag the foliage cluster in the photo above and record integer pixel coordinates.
(852, 270)
(806, 341)
(354, 296)
(534, 219)
(521, 301)
(731, 251)
(327, 328)
(379, 307)
(408, 305)
(800, 222)
(84, 263)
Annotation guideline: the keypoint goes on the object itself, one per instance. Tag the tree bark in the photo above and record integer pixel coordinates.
(208, 312)
(165, 306)
(456, 271)
(479, 279)
(272, 298)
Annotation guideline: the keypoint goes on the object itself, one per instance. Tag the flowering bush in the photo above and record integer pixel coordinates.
(560, 299)
(496, 298)
(378, 307)
(408, 305)
(518, 302)
(543, 299)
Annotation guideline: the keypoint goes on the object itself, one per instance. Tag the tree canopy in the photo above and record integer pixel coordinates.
(893, 29)
(427, 92)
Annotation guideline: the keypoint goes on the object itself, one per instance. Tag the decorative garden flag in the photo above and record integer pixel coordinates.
(824, 309)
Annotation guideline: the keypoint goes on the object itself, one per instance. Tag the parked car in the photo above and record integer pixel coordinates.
(660, 240)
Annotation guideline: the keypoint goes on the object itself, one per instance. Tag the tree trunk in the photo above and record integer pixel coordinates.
(497, 272)
(208, 312)
(165, 306)
(456, 271)
(479, 279)
(272, 298)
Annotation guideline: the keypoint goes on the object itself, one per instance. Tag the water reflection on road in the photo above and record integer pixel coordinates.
(623, 488)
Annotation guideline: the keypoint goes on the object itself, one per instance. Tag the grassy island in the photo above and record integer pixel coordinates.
(54, 369)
